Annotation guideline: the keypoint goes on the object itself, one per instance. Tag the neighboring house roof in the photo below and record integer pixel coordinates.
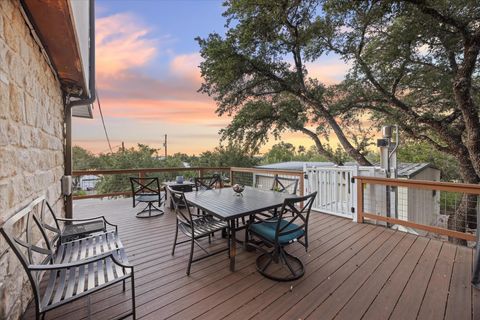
(298, 165)
(406, 170)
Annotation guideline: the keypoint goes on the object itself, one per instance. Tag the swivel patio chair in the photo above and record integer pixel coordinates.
(147, 190)
(194, 227)
(55, 280)
(208, 183)
(277, 233)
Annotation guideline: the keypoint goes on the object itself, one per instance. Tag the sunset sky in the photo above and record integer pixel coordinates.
(148, 77)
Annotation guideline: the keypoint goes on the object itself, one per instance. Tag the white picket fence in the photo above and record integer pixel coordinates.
(337, 193)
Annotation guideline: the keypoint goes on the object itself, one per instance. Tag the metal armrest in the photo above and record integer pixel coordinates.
(271, 220)
(79, 263)
(90, 219)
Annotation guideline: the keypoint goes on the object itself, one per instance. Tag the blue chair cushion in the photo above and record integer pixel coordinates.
(267, 230)
(147, 197)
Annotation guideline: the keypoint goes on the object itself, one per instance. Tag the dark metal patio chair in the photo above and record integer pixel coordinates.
(279, 232)
(194, 226)
(208, 183)
(286, 185)
(280, 184)
(72, 229)
(147, 190)
(63, 280)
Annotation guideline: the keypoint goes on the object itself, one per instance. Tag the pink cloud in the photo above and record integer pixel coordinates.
(121, 44)
(328, 72)
(172, 111)
(187, 66)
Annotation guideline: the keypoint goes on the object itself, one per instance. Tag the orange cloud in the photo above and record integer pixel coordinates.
(121, 44)
(174, 111)
(187, 66)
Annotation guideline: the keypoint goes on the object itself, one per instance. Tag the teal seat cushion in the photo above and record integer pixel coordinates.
(267, 230)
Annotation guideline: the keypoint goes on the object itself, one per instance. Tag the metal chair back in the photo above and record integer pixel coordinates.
(294, 211)
(208, 183)
(180, 206)
(144, 187)
(278, 184)
(286, 185)
(18, 231)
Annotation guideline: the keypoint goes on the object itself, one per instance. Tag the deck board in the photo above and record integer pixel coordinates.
(353, 271)
(409, 303)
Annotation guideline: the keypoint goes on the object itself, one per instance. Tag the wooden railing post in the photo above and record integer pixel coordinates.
(231, 175)
(302, 184)
(359, 200)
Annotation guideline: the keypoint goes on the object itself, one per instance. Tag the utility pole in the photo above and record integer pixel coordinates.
(123, 146)
(165, 146)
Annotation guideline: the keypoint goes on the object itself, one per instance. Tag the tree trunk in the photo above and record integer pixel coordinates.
(347, 146)
(466, 213)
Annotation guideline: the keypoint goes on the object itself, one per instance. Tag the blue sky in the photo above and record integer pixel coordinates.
(177, 22)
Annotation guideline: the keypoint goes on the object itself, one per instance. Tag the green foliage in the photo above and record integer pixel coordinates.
(145, 157)
(132, 158)
(226, 156)
(141, 157)
(283, 152)
(79, 193)
(83, 159)
(280, 152)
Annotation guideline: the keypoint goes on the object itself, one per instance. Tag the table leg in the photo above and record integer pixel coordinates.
(233, 245)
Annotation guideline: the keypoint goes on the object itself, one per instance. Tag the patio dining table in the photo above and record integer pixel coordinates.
(226, 205)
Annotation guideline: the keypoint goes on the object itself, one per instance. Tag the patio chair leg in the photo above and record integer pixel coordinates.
(210, 238)
(191, 257)
(134, 311)
(175, 241)
(123, 269)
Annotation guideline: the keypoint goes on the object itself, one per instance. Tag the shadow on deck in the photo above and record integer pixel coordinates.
(353, 271)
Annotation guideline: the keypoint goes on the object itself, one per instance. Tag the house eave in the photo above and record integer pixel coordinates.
(54, 26)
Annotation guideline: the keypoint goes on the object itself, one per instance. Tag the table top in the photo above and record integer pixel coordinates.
(225, 204)
(175, 183)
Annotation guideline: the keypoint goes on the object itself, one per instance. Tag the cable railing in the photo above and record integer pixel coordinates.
(104, 183)
(430, 208)
(116, 182)
(292, 180)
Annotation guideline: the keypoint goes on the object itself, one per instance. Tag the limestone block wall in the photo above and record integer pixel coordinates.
(31, 141)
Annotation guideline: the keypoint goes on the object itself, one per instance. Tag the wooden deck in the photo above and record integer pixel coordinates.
(353, 271)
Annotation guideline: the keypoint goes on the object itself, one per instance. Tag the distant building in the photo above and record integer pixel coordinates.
(88, 183)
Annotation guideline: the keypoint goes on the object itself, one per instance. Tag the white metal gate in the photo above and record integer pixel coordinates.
(337, 193)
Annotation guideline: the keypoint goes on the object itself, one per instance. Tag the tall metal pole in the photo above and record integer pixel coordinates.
(165, 145)
(68, 160)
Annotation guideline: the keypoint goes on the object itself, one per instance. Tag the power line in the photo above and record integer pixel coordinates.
(103, 122)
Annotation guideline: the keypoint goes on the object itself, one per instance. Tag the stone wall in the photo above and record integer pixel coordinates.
(31, 141)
